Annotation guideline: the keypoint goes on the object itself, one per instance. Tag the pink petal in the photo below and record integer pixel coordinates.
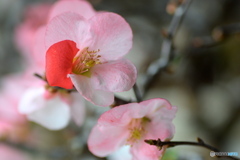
(159, 107)
(77, 108)
(159, 128)
(84, 86)
(161, 115)
(39, 50)
(111, 34)
(161, 125)
(10, 118)
(68, 26)
(144, 151)
(10, 153)
(115, 76)
(105, 140)
(122, 115)
(54, 115)
(59, 60)
(80, 7)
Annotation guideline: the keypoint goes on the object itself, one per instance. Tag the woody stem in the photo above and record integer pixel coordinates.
(200, 143)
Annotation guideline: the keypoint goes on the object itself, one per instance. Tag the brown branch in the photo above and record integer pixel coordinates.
(219, 35)
(167, 46)
(200, 143)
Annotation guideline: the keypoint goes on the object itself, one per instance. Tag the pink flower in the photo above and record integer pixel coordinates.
(29, 35)
(11, 121)
(88, 53)
(35, 16)
(51, 108)
(131, 124)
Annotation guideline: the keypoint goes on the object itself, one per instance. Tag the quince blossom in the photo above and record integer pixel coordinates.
(88, 53)
(52, 108)
(131, 124)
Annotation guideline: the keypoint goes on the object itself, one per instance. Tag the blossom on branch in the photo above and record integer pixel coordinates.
(131, 124)
(41, 103)
(88, 53)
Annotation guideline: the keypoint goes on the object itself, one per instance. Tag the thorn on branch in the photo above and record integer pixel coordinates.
(200, 140)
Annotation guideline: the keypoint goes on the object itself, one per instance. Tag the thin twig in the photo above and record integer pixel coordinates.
(219, 35)
(137, 93)
(40, 77)
(22, 147)
(167, 46)
(200, 143)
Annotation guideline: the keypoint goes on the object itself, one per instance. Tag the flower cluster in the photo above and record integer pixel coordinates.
(79, 55)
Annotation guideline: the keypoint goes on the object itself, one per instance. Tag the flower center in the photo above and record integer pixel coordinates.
(137, 129)
(85, 60)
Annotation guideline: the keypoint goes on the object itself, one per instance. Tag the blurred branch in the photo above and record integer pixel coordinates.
(137, 93)
(22, 147)
(219, 35)
(167, 46)
(40, 77)
(200, 143)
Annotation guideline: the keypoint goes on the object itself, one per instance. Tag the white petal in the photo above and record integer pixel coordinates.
(122, 153)
(31, 100)
(54, 115)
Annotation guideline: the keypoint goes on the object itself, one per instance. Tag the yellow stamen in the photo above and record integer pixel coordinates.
(137, 129)
(85, 60)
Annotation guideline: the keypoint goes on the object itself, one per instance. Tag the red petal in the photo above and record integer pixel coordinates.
(59, 59)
